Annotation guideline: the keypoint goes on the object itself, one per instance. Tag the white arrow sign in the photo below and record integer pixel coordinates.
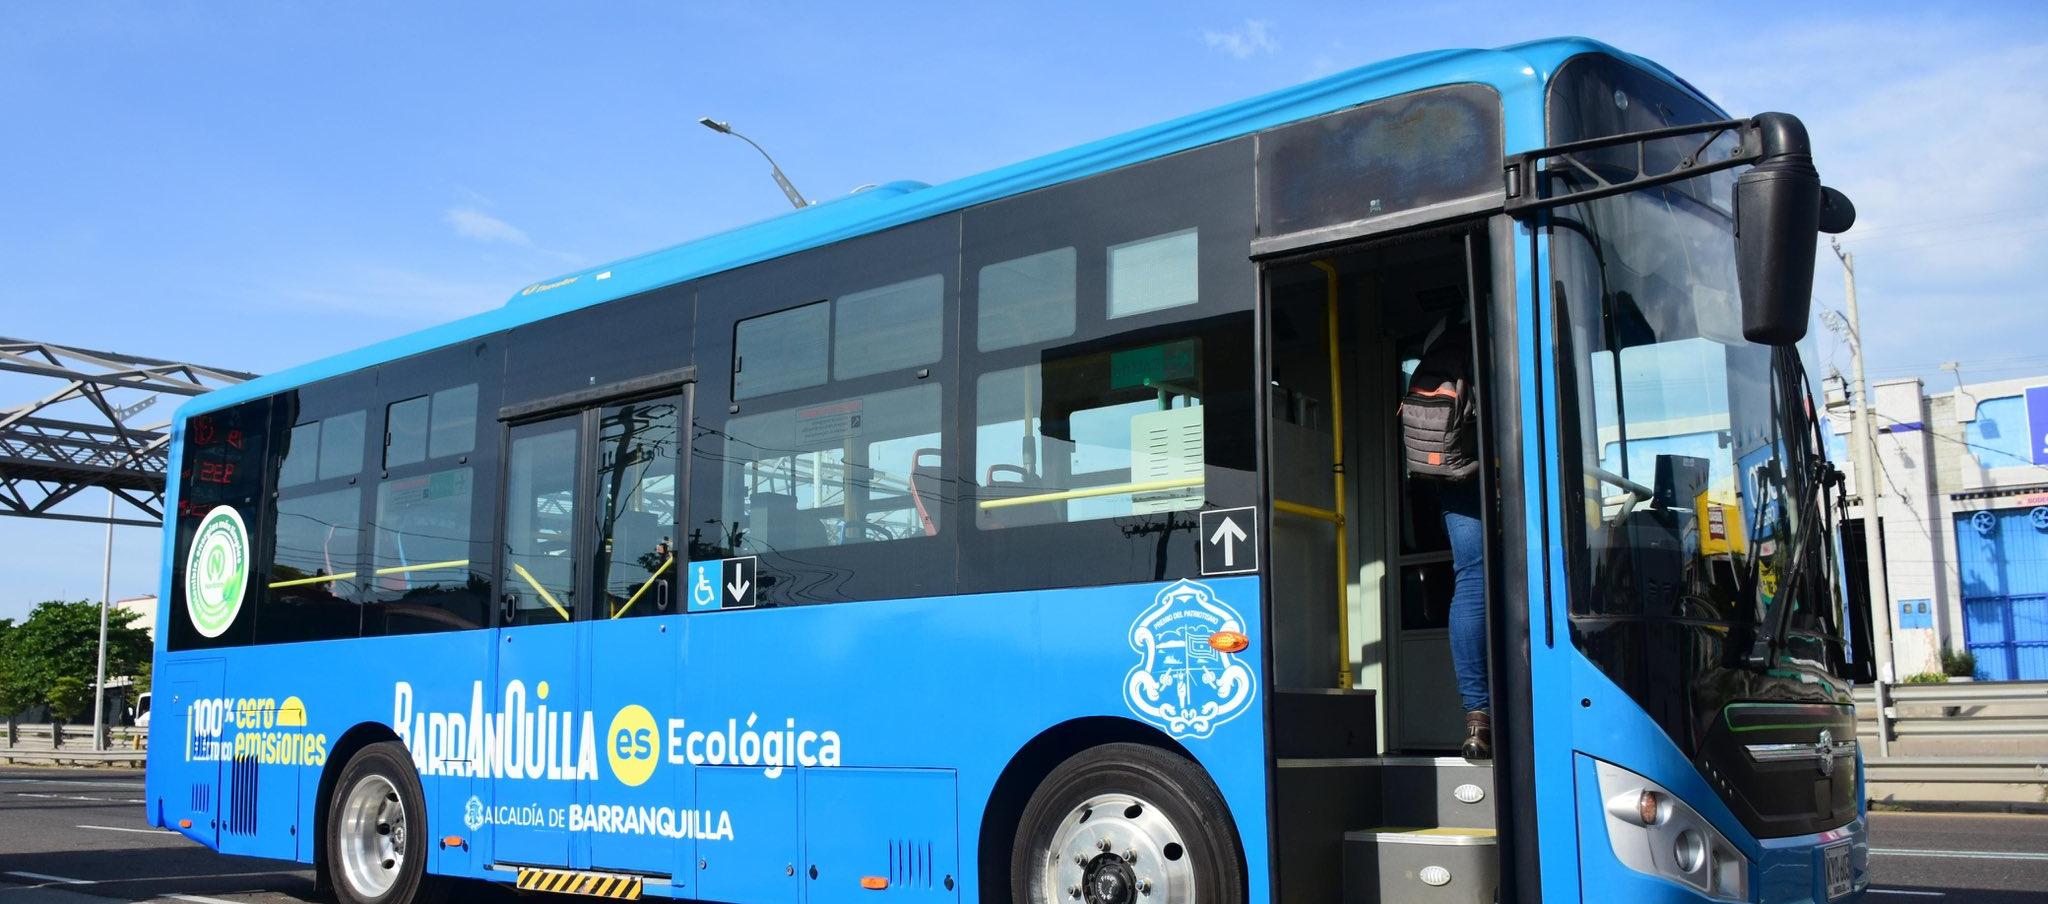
(739, 583)
(1230, 540)
(1228, 535)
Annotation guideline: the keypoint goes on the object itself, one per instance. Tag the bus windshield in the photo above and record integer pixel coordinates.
(1694, 458)
(1692, 473)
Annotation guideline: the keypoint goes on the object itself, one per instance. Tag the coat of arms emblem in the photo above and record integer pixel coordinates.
(1181, 683)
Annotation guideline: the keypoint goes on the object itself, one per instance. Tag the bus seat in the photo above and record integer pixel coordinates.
(925, 484)
(1024, 483)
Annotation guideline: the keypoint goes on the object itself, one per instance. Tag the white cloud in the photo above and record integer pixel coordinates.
(475, 224)
(1254, 38)
(396, 297)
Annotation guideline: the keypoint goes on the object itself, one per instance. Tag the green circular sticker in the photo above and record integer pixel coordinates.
(217, 571)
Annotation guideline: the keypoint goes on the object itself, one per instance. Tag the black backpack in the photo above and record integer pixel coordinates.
(1439, 416)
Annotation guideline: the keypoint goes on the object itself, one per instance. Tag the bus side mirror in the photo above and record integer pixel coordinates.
(1780, 210)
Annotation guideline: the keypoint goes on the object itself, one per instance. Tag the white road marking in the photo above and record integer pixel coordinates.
(106, 800)
(197, 899)
(131, 786)
(136, 831)
(46, 877)
(1962, 855)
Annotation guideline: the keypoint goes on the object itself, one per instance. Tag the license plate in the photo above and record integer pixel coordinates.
(1841, 878)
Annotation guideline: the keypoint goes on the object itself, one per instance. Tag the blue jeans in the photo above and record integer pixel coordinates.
(1460, 500)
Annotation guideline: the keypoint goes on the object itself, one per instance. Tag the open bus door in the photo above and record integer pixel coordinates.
(1373, 802)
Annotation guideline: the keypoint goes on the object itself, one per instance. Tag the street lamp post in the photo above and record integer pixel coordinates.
(1868, 482)
(99, 686)
(789, 191)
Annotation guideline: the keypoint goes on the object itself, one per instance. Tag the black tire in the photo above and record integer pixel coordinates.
(1204, 833)
(408, 882)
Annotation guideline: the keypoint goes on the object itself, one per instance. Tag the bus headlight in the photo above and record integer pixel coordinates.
(1654, 832)
(1689, 851)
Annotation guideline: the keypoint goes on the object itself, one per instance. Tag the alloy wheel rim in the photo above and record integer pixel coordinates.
(1118, 849)
(372, 834)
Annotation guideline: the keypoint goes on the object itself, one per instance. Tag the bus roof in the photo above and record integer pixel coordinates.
(1517, 71)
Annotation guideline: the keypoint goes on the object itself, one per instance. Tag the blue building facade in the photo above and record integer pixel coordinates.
(1962, 498)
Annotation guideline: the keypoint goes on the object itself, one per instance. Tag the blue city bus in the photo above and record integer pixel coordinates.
(1045, 535)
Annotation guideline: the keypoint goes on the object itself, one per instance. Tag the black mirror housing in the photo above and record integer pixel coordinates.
(1780, 206)
(1837, 212)
(1779, 213)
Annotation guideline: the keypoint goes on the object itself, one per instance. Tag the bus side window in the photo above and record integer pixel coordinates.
(1026, 300)
(313, 583)
(639, 460)
(541, 522)
(223, 463)
(835, 474)
(830, 461)
(429, 547)
(422, 559)
(1099, 435)
(1107, 394)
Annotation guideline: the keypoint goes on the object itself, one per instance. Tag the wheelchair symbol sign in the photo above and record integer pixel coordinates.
(723, 584)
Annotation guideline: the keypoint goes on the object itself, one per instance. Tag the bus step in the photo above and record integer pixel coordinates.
(1436, 791)
(622, 886)
(1438, 865)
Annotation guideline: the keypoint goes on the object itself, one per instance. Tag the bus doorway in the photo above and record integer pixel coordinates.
(1369, 718)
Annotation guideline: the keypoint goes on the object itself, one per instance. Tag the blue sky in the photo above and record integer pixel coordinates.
(255, 185)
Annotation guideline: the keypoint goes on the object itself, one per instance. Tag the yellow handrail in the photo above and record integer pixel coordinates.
(1337, 472)
(1114, 489)
(1307, 511)
(425, 566)
(543, 591)
(658, 572)
(317, 579)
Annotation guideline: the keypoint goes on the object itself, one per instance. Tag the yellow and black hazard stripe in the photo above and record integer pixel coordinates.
(578, 882)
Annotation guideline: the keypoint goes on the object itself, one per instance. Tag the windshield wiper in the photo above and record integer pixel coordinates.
(1815, 475)
(1770, 632)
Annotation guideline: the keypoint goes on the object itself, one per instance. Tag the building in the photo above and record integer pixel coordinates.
(1962, 505)
(144, 608)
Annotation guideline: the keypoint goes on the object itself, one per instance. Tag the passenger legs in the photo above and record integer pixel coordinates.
(1462, 523)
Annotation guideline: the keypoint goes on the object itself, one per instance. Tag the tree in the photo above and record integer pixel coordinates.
(70, 698)
(61, 640)
(14, 697)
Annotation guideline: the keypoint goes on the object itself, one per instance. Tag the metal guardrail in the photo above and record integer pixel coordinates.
(69, 757)
(1961, 692)
(59, 736)
(1940, 722)
(70, 745)
(1958, 769)
(1961, 709)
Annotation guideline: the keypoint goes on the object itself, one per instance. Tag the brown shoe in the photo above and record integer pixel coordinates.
(1478, 736)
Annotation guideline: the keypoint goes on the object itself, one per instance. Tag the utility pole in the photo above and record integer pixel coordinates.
(99, 687)
(1867, 484)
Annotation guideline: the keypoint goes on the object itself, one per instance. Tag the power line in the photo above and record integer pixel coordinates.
(1963, 442)
(1908, 241)
(1932, 223)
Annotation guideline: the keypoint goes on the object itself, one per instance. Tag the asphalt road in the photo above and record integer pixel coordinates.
(77, 837)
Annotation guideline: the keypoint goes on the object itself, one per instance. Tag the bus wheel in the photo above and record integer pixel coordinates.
(1126, 824)
(377, 831)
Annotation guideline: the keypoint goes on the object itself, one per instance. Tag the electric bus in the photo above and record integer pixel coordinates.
(1044, 535)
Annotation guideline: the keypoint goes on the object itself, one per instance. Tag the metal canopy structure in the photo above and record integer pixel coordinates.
(80, 435)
